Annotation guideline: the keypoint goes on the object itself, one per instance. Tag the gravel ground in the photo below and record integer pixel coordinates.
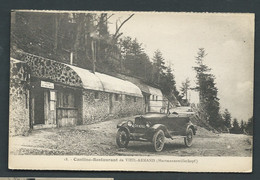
(99, 139)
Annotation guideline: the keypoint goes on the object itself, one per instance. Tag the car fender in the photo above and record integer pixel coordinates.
(193, 127)
(157, 127)
(125, 129)
(122, 124)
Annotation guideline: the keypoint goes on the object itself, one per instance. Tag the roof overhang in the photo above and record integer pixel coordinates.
(102, 82)
(155, 91)
(75, 76)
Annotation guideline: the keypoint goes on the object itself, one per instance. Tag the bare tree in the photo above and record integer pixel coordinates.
(117, 34)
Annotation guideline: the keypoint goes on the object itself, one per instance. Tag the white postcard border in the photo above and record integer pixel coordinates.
(132, 163)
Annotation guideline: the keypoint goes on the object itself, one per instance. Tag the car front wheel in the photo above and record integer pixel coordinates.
(189, 138)
(158, 140)
(122, 138)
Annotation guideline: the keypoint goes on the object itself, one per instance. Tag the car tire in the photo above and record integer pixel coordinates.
(158, 140)
(189, 138)
(122, 138)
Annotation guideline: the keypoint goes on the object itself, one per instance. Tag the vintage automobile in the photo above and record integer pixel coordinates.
(155, 127)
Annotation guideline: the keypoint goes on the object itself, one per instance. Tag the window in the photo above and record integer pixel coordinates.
(156, 98)
(66, 99)
(134, 99)
(153, 97)
(116, 97)
(96, 95)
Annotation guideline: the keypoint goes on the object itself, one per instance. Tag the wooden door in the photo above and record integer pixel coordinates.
(38, 107)
(50, 107)
(52, 100)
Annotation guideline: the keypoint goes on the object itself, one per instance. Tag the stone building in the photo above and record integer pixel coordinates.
(153, 99)
(62, 95)
(19, 97)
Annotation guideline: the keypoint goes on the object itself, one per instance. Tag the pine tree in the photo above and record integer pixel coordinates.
(235, 127)
(249, 126)
(57, 35)
(159, 66)
(242, 126)
(184, 90)
(207, 90)
(135, 60)
(167, 83)
(227, 118)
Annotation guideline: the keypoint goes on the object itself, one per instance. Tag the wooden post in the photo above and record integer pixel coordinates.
(93, 47)
(31, 108)
(71, 58)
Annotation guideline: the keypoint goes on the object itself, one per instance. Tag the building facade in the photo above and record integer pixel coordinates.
(153, 99)
(19, 98)
(59, 94)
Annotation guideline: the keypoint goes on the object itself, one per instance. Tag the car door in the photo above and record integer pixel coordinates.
(176, 125)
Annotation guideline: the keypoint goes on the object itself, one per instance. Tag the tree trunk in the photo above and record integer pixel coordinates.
(56, 27)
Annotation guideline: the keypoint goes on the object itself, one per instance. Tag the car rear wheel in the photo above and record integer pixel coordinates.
(122, 138)
(189, 138)
(158, 140)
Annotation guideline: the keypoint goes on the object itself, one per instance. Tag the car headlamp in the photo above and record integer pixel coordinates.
(129, 123)
(147, 124)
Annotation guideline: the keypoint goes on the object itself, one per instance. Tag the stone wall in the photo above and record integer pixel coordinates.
(93, 109)
(51, 70)
(96, 110)
(19, 122)
(129, 106)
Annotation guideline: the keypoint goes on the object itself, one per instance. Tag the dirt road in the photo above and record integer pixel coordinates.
(99, 139)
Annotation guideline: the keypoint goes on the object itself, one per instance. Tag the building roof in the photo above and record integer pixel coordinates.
(74, 76)
(102, 82)
(155, 91)
(142, 86)
(89, 79)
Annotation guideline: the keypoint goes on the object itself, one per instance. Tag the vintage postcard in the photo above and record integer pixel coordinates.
(131, 91)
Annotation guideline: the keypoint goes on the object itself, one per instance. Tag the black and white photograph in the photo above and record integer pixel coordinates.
(131, 91)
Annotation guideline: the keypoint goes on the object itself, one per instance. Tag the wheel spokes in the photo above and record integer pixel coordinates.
(123, 138)
(189, 138)
(159, 141)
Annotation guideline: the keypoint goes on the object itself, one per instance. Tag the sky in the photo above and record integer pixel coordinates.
(227, 38)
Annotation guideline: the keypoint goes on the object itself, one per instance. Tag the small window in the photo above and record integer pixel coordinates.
(66, 99)
(96, 95)
(156, 98)
(153, 97)
(116, 97)
(134, 99)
